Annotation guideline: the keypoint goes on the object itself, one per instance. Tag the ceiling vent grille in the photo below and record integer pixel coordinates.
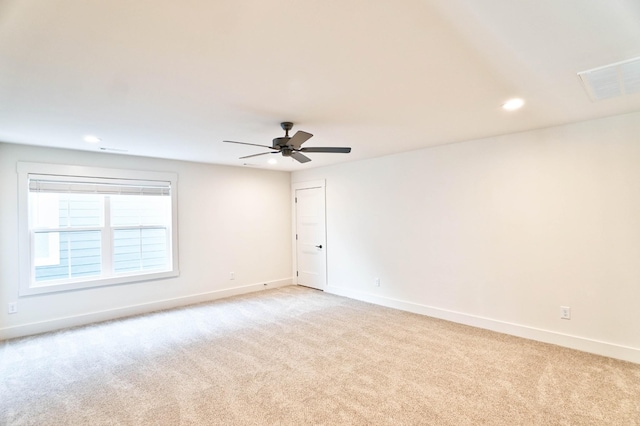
(621, 78)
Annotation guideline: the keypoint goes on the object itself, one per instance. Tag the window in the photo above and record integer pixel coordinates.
(86, 227)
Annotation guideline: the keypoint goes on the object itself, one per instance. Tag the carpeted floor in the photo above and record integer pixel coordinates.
(295, 356)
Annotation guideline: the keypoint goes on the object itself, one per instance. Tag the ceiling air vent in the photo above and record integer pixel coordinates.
(113, 149)
(621, 78)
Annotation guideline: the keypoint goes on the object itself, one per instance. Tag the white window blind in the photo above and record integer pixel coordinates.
(79, 185)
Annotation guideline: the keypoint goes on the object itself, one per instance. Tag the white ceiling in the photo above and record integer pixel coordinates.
(172, 79)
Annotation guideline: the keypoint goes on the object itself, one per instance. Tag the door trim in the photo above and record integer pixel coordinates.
(294, 222)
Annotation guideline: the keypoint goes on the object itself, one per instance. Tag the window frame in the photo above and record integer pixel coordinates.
(28, 286)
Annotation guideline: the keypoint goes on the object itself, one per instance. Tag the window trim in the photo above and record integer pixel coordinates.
(24, 169)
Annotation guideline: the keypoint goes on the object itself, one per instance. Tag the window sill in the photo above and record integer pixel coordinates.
(54, 287)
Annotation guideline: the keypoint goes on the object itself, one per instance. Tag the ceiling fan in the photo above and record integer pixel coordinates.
(290, 146)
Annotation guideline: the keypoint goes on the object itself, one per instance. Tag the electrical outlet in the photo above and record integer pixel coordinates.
(232, 275)
(376, 282)
(565, 312)
(13, 307)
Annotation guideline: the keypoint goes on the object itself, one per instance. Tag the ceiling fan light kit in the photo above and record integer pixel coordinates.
(291, 146)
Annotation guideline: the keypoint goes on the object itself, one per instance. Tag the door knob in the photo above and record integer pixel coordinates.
(320, 246)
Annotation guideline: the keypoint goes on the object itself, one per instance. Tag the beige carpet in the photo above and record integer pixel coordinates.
(295, 356)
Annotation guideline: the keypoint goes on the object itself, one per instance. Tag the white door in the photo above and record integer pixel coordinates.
(311, 260)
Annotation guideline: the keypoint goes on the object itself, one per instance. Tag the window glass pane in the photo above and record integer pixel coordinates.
(154, 248)
(134, 210)
(51, 210)
(45, 210)
(82, 209)
(140, 249)
(46, 248)
(78, 255)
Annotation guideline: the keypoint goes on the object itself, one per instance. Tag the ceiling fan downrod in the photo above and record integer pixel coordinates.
(283, 141)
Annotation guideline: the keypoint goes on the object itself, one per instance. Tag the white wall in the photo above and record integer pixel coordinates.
(229, 219)
(499, 233)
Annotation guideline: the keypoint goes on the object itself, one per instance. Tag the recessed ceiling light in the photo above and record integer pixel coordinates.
(272, 161)
(513, 104)
(92, 139)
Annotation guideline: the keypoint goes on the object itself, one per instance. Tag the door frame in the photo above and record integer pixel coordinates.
(320, 183)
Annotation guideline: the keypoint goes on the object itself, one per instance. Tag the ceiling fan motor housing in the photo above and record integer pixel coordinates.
(281, 142)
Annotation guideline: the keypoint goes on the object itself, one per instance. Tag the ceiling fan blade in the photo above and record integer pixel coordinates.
(252, 144)
(300, 158)
(262, 153)
(299, 138)
(337, 150)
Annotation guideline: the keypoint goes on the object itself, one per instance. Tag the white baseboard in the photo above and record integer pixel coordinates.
(611, 350)
(77, 320)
